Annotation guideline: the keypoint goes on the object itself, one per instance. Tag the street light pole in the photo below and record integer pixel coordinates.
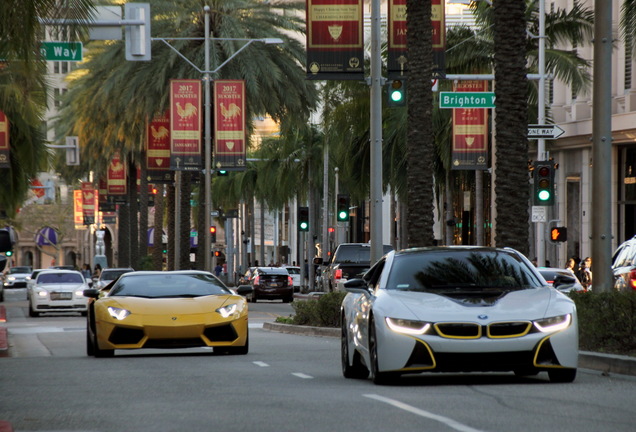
(207, 238)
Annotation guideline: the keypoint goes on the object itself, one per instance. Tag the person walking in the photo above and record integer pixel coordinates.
(585, 273)
(571, 266)
(86, 272)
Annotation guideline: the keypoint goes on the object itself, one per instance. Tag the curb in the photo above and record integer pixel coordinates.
(606, 363)
(4, 344)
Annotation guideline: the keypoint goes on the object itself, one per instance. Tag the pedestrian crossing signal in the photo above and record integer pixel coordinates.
(559, 234)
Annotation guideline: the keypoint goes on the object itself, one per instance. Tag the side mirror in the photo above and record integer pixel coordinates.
(91, 293)
(356, 286)
(318, 260)
(244, 290)
(563, 280)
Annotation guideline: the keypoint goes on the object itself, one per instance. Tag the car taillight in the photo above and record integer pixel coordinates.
(338, 274)
(257, 280)
(632, 279)
(290, 281)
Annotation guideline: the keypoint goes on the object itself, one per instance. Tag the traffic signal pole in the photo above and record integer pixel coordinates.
(540, 227)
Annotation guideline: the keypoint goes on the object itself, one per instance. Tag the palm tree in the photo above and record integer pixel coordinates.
(511, 120)
(109, 100)
(419, 141)
(23, 88)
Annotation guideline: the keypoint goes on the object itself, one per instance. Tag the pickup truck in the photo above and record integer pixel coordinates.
(348, 261)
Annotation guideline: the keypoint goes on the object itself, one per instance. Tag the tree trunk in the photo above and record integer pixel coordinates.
(133, 199)
(143, 212)
(420, 146)
(511, 123)
(201, 229)
(184, 229)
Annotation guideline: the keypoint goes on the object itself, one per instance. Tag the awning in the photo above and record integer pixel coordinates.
(47, 236)
(151, 237)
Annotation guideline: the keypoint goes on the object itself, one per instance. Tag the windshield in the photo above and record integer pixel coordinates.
(60, 278)
(356, 253)
(109, 275)
(166, 285)
(14, 270)
(461, 272)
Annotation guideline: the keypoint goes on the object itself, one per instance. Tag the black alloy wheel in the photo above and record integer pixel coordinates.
(357, 370)
(378, 377)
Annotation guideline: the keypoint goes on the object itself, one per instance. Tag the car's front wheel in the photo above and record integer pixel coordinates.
(562, 375)
(101, 352)
(90, 346)
(239, 350)
(357, 370)
(377, 376)
(32, 312)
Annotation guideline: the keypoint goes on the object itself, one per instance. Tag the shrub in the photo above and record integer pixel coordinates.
(607, 321)
(323, 312)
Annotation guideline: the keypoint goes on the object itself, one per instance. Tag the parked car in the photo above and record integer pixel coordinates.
(110, 274)
(16, 277)
(561, 279)
(174, 309)
(456, 309)
(57, 291)
(624, 266)
(349, 260)
(271, 283)
(294, 272)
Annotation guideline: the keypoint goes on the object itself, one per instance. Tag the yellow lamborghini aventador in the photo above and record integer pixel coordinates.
(175, 309)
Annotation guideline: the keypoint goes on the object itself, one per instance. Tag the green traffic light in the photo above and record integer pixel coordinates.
(342, 215)
(396, 96)
(544, 195)
(8, 253)
(304, 225)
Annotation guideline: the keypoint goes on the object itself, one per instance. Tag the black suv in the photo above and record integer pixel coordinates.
(624, 266)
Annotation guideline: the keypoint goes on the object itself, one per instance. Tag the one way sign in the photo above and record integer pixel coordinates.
(544, 131)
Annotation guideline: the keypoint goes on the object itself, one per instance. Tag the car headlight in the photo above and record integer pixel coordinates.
(42, 293)
(228, 310)
(79, 293)
(11, 278)
(553, 324)
(118, 313)
(407, 326)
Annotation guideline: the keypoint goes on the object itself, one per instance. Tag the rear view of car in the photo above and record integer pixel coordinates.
(294, 272)
(272, 283)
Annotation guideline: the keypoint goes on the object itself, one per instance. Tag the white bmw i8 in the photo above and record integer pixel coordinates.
(456, 309)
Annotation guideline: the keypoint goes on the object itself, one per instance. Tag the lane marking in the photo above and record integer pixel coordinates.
(261, 364)
(445, 420)
(302, 375)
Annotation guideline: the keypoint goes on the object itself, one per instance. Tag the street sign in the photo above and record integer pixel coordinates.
(544, 131)
(539, 214)
(467, 99)
(61, 51)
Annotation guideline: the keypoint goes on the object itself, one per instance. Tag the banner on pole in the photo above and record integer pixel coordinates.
(470, 131)
(158, 147)
(4, 141)
(335, 42)
(185, 125)
(229, 125)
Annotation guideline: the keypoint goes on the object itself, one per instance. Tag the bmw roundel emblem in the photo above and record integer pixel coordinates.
(482, 317)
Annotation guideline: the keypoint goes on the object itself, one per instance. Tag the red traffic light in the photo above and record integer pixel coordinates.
(559, 234)
(212, 230)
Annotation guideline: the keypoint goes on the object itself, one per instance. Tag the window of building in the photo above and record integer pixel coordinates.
(629, 46)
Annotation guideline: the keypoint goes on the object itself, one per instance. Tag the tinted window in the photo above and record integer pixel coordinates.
(57, 278)
(356, 253)
(167, 285)
(109, 275)
(460, 272)
(292, 270)
(14, 270)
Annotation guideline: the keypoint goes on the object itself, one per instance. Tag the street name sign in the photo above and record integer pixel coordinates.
(544, 131)
(61, 51)
(467, 99)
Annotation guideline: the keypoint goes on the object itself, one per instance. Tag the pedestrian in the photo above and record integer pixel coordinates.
(86, 271)
(98, 271)
(571, 266)
(585, 273)
(218, 269)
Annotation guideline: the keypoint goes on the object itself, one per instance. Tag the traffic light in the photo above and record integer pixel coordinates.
(342, 208)
(303, 218)
(8, 253)
(397, 93)
(221, 173)
(213, 234)
(543, 174)
(559, 234)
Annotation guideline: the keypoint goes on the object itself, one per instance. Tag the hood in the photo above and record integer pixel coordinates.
(159, 306)
(526, 304)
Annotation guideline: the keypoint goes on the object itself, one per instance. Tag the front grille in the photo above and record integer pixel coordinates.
(174, 343)
(509, 329)
(55, 295)
(482, 362)
(459, 330)
(126, 336)
(224, 333)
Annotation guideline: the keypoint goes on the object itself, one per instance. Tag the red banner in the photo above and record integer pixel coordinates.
(4, 141)
(470, 131)
(229, 124)
(89, 197)
(158, 143)
(185, 125)
(116, 179)
(438, 21)
(397, 64)
(78, 215)
(335, 43)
